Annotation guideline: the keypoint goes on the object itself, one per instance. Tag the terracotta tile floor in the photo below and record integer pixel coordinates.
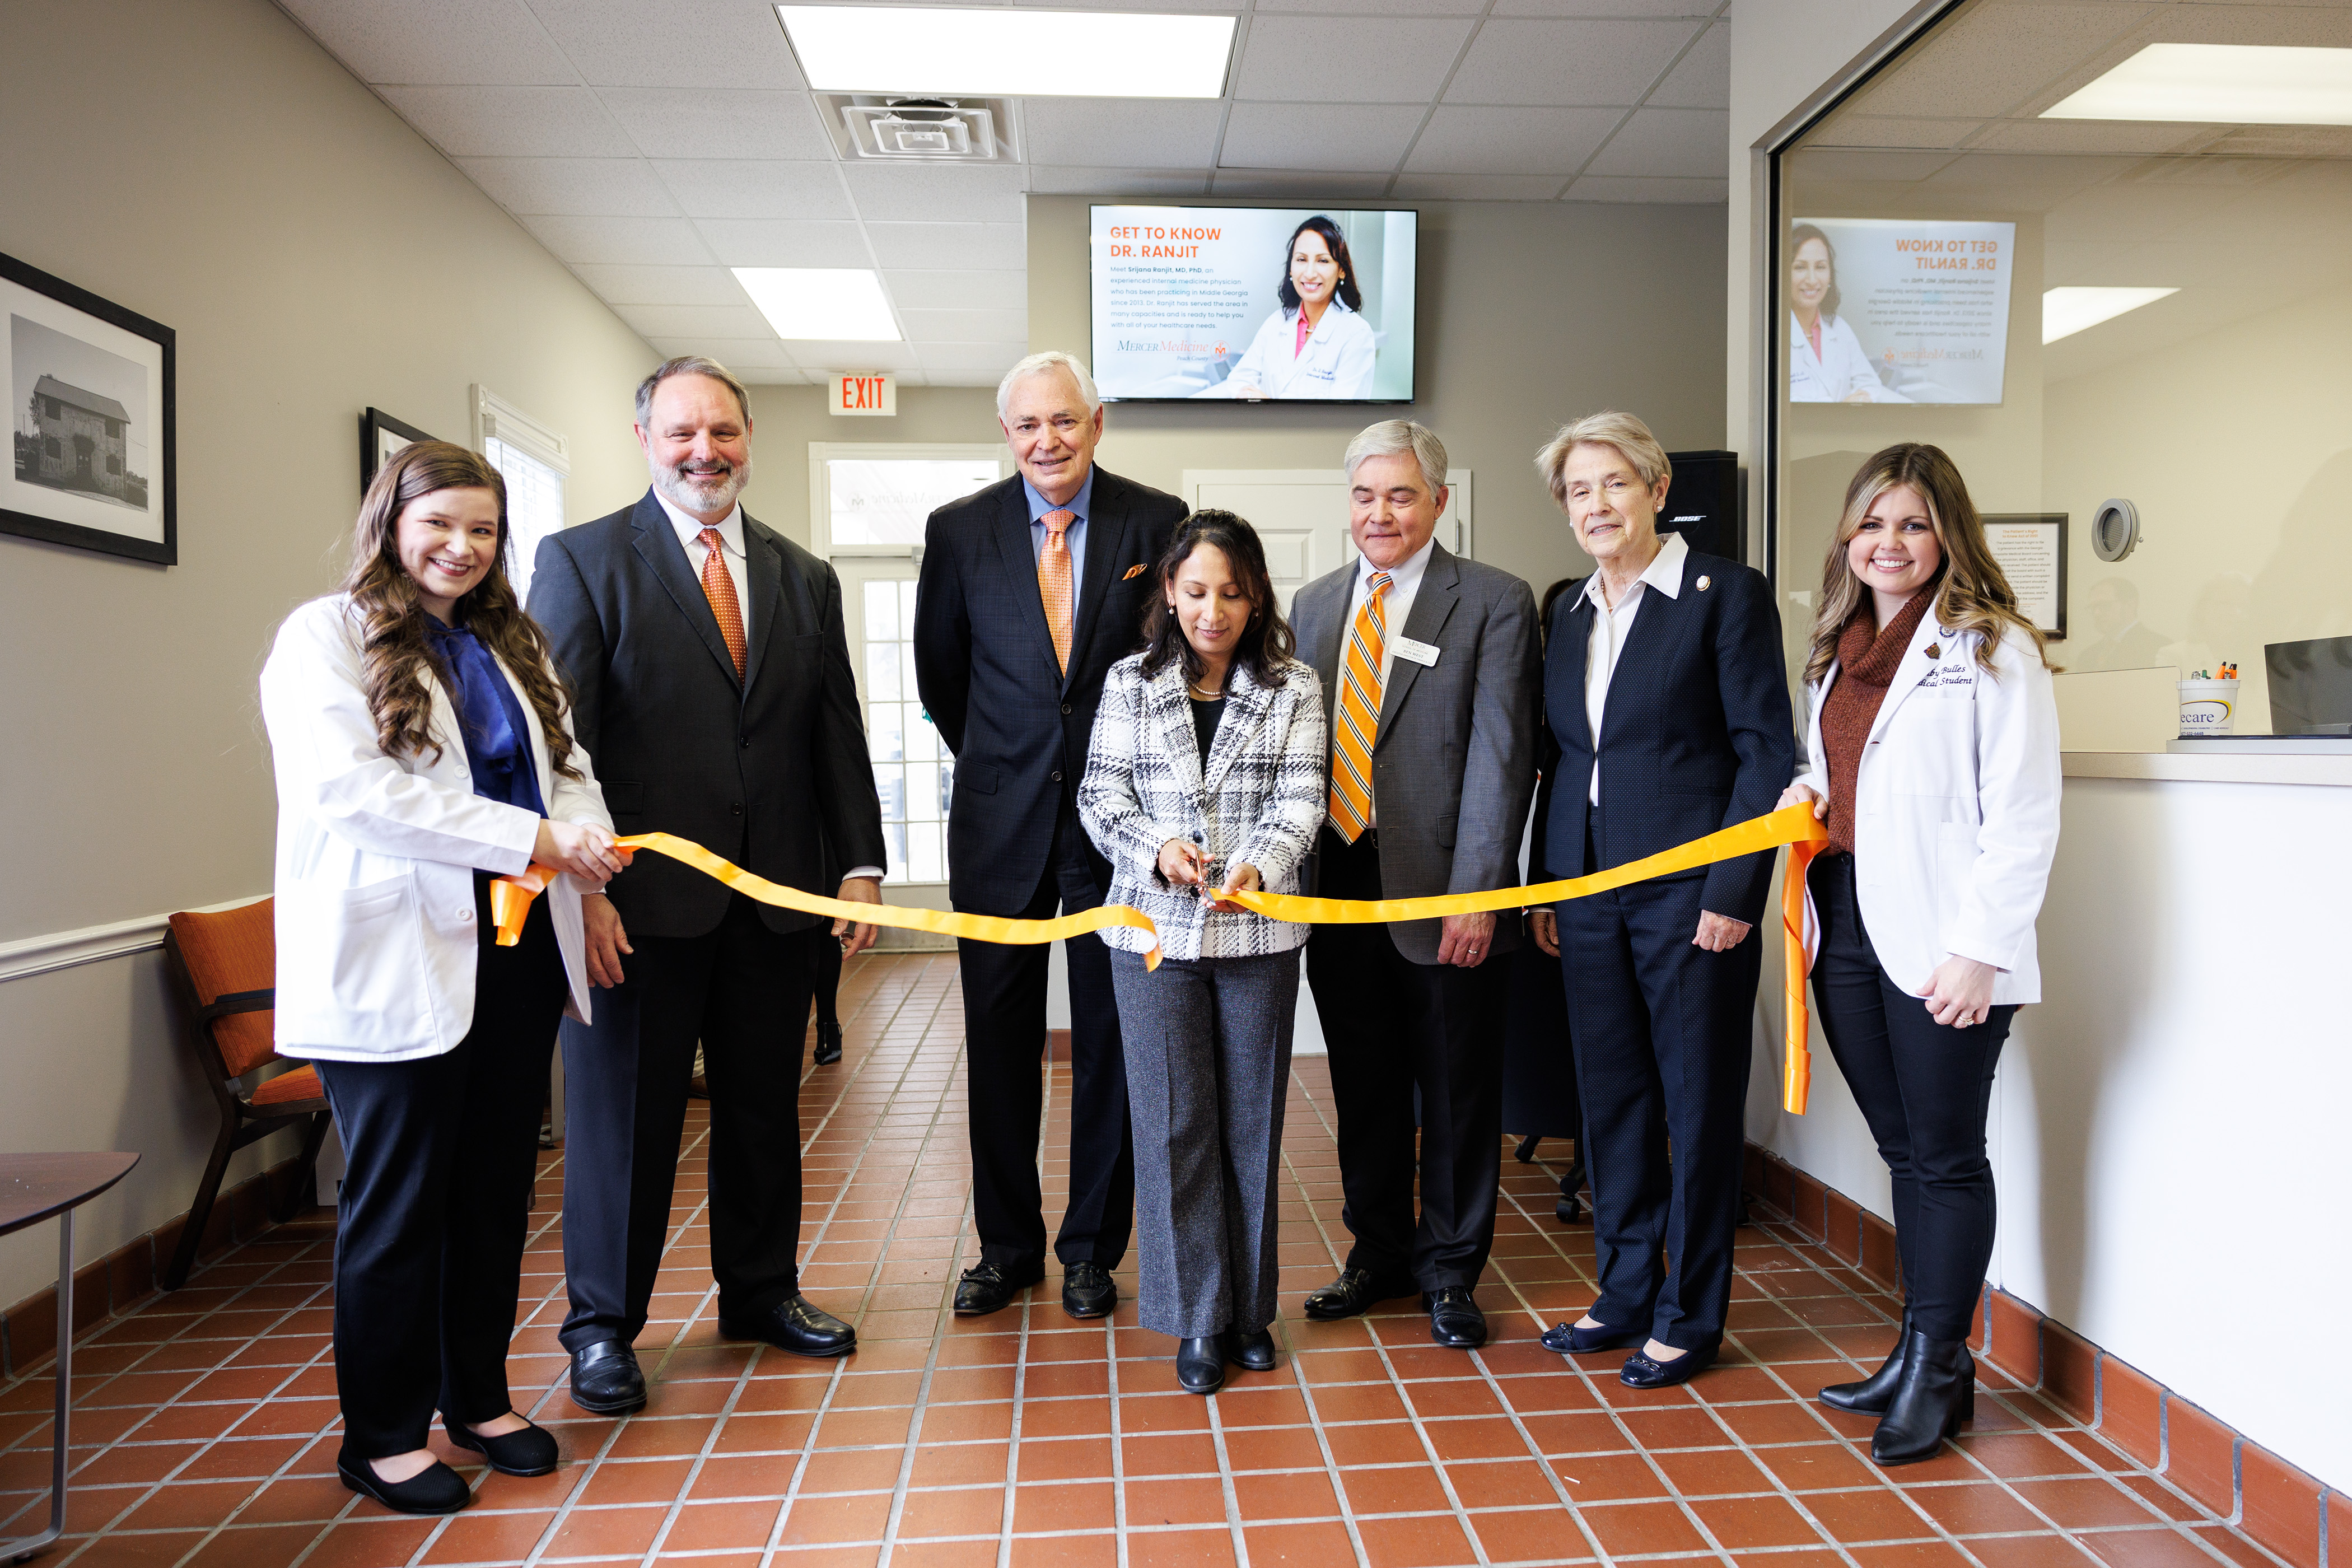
(206, 1432)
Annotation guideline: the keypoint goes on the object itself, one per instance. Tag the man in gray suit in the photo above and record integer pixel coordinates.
(1432, 678)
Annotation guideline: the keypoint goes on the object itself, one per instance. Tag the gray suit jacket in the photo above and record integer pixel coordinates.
(1454, 766)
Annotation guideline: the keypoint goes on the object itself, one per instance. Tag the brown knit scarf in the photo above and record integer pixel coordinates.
(1867, 657)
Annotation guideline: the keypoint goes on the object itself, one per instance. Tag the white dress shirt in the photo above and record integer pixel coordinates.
(1612, 626)
(1405, 585)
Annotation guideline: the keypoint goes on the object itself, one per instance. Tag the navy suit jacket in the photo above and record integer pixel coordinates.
(1695, 736)
(770, 770)
(984, 667)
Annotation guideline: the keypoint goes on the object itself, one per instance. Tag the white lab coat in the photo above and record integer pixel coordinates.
(376, 934)
(1838, 371)
(1336, 362)
(1955, 810)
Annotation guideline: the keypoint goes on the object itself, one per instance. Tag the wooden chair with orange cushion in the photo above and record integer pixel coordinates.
(224, 967)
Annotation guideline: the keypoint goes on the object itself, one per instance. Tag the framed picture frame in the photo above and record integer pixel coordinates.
(93, 420)
(380, 437)
(2032, 549)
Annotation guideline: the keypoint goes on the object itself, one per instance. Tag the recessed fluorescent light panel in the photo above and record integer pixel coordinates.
(2065, 311)
(839, 304)
(2225, 84)
(1009, 51)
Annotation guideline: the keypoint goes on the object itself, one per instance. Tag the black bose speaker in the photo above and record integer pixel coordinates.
(1707, 504)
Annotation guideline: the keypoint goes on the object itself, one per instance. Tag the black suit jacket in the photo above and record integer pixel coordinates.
(767, 771)
(984, 666)
(1697, 734)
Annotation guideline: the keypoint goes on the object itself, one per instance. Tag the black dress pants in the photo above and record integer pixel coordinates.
(1004, 1041)
(439, 1153)
(742, 990)
(1925, 1088)
(1393, 1026)
(824, 970)
(1662, 1033)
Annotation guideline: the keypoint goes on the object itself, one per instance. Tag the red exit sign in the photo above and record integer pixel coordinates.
(874, 394)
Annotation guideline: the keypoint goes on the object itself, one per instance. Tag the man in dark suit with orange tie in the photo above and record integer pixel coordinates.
(1030, 590)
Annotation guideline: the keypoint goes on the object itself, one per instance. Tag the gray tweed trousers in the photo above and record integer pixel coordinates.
(1208, 1065)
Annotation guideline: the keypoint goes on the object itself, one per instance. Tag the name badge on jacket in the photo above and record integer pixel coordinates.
(1423, 654)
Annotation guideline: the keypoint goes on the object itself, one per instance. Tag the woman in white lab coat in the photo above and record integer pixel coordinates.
(1933, 759)
(1315, 345)
(1826, 363)
(420, 736)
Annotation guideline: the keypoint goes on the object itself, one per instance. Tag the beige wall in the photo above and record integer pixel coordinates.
(785, 419)
(315, 257)
(1529, 315)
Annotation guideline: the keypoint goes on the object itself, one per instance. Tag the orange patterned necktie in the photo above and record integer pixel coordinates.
(718, 587)
(1359, 715)
(1054, 582)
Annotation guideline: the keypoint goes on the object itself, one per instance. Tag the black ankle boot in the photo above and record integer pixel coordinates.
(1873, 1393)
(1936, 1394)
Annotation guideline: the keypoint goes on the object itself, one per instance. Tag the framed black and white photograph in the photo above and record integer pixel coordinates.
(380, 437)
(90, 387)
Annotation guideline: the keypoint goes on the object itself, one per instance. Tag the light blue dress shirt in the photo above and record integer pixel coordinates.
(1080, 503)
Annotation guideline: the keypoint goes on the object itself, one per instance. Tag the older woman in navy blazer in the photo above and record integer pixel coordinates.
(1662, 687)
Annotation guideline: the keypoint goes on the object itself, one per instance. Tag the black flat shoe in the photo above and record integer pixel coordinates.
(1250, 1351)
(1568, 1338)
(1935, 1396)
(828, 1044)
(436, 1488)
(605, 1380)
(1872, 1395)
(798, 1327)
(1641, 1371)
(1088, 1290)
(529, 1452)
(1455, 1319)
(1200, 1366)
(1355, 1291)
(986, 1288)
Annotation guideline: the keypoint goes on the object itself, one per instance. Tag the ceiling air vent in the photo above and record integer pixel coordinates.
(922, 129)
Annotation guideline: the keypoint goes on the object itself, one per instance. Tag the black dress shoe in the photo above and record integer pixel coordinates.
(605, 1380)
(1935, 1396)
(1641, 1371)
(529, 1452)
(1250, 1351)
(799, 1327)
(1353, 1292)
(1088, 1290)
(986, 1289)
(436, 1488)
(1872, 1395)
(828, 1044)
(1455, 1319)
(1569, 1339)
(1201, 1365)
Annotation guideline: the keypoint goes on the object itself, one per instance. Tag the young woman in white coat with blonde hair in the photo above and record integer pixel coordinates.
(1934, 749)
(420, 736)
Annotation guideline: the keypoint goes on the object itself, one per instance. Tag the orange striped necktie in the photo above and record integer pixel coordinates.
(1054, 582)
(718, 587)
(1358, 724)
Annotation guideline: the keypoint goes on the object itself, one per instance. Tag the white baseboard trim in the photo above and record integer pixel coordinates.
(91, 945)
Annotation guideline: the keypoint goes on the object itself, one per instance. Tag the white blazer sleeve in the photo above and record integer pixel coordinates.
(2017, 783)
(328, 760)
(1353, 376)
(1294, 809)
(1108, 805)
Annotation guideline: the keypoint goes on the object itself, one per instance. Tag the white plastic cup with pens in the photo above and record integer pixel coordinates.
(2208, 703)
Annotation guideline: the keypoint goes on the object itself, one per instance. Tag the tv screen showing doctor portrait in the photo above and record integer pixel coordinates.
(1254, 303)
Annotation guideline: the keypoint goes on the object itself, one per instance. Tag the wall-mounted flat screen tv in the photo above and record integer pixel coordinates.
(1254, 303)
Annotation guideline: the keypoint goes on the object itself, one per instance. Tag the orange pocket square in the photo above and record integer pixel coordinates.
(1134, 571)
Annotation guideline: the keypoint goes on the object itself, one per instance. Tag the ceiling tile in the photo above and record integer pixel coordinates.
(653, 241)
(756, 187)
(694, 321)
(634, 285)
(1566, 62)
(1299, 184)
(1691, 8)
(679, 43)
(511, 121)
(1319, 135)
(824, 357)
(964, 326)
(1408, 57)
(1225, 5)
(1603, 188)
(1378, 7)
(738, 354)
(1134, 132)
(1000, 246)
(2096, 136)
(1086, 182)
(1690, 143)
(1701, 79)
(936, 193)
(1989, 60)
(671, 123)
(1511, 140)
(1477, 187)
(777, 242)
(574, 187)
(987, 361)
(933, 290)
(1884, 131)
(435, 41)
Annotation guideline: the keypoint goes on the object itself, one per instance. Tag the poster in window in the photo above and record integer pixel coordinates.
(1897, 310)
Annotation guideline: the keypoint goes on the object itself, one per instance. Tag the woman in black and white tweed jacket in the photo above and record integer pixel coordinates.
(1205, 778)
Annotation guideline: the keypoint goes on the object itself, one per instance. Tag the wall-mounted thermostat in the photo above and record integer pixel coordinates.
(2115, 529)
